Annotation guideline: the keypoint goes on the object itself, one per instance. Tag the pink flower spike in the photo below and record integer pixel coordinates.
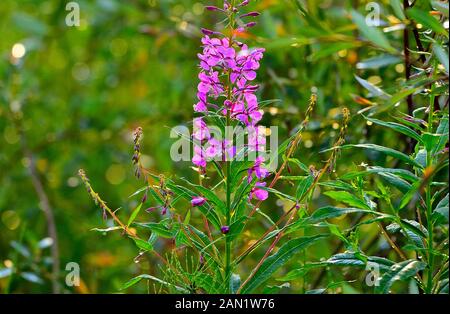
(259, 194)
(200, 107)
(258, 170)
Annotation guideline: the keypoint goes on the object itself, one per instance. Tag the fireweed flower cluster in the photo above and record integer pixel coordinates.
(227, 71)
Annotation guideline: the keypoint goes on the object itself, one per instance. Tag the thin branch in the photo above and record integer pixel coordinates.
(406, 52)
(49, 216)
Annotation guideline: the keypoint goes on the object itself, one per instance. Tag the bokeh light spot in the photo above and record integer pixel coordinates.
(18, 50)
(115, 174)
(10, 219)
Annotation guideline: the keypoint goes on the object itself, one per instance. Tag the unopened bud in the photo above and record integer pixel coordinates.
(211, 8)
(207, 31)
(250, 14)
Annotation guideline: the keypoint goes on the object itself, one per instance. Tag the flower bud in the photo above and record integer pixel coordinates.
(198, 201)
(244, 3)
(250, 14)
(207, 31)
(225, 229)
(144, 198)
(211, 8)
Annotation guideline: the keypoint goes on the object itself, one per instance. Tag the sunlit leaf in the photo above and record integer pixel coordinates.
(134, 214)
(371, 33)
(278, 259)
(400, 271)
(422, 17)
(374, 90)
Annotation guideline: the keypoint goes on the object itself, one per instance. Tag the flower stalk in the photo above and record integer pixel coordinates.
(227, 67)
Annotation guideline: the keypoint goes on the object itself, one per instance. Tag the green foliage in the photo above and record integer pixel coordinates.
(74, 97)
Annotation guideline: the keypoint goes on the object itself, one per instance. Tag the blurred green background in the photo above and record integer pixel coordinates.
(74, 97)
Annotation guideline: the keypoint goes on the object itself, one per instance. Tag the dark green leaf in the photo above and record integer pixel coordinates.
(387, 151)
(347, 198)
(303, 186)
(422, 17)
(143, 245)
(136, 279)
(398, 127)
(378, 62)
(134, 214)
(275, 261)
(400, 271)
(333, 212)
(374, 90)
(441, 209)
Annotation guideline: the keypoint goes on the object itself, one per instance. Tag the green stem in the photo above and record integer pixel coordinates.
(429, 287)
(228, 218)
(228, 168)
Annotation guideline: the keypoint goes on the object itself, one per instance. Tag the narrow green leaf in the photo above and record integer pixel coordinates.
(400, 271)
(442, 56)
(398, 9)
(330, 49)
(281, 195)
(187, 218)
(358, 260)
(275, 261)
(387, 151)
(413, 191)
(398, 173)
(441, 7)
(137, 279)
(303, 186)
(333, 212)
(5, 272)
(235, 283)
(32, 277)
(398, 127)
(160, 229)
(402, 94)
(372, 34)
(347, 198)
(338, 185)
(421, 157)
(134, 214)
(143, 245)
(442, 132)
(301, 165)
(374, 90)
(423, 17)
(300, 272)
(156, 196)
(236, 228)
(22, 249)
(378, 62)
(106, 229)
(442, 209)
